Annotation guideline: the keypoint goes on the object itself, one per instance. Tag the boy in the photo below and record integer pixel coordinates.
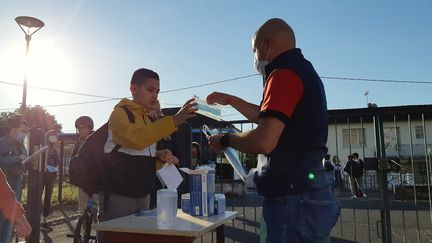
(138, 139)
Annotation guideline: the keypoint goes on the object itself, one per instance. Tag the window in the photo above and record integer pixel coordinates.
(419, 132)
(391, 138)
(357, 137)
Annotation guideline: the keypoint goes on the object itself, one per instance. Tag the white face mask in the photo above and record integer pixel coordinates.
(260, 64)
(21, 136)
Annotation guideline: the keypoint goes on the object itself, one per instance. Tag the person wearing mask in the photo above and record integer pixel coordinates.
(12, 153)
(49, 176)
(292, 132)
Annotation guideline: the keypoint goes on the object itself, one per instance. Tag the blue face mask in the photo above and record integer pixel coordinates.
(21, 136)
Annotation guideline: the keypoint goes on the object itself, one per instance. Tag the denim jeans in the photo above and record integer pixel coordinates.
(307, 217)
(6, 227)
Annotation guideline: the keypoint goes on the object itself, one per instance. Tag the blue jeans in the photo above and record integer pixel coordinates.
(307, 217)
(6, 227)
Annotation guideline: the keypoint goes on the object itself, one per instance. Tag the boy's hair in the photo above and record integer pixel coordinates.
(15, 122)
(355, 155)
(327, 157)
(142, 74)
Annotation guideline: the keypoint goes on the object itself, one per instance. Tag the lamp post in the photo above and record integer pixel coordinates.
(29, 25)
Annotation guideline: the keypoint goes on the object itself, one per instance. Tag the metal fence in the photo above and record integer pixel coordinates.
(398, 206)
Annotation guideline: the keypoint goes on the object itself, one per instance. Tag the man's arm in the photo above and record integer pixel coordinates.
(249, 110)
(267, 133)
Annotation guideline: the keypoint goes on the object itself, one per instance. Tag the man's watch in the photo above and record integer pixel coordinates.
(224, 140)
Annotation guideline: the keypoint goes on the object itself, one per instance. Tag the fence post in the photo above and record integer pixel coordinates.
(35, 185)
(61, 173)
(382, 178)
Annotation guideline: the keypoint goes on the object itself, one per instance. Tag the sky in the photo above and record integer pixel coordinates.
(93, 47)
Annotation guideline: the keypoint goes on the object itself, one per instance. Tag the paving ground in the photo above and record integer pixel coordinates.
(356, 224)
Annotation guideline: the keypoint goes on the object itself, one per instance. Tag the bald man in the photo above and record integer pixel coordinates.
(299, 205)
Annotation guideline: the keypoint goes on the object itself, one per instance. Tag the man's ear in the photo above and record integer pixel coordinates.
(133, 89)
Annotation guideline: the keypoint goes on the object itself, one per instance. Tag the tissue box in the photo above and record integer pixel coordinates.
(202, 190)
(185, 202)
(219, 205)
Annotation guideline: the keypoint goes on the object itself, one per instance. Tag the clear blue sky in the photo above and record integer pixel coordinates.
(194, 42)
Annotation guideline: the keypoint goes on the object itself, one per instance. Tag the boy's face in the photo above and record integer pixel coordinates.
(147, 93)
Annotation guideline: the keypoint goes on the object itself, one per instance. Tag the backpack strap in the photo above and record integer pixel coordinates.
(129, 113)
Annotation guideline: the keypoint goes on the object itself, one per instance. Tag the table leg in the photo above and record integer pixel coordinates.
(220, 234)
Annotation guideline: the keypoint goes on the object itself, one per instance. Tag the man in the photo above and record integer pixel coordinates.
(359, 178)
(352, 169)
(12, 210)
(84, 126)
(292, 132)
(12, 153)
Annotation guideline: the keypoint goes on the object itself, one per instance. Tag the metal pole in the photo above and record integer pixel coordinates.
(382, 179)
(24, 98)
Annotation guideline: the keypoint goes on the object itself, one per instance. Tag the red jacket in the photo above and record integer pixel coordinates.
(9, 206)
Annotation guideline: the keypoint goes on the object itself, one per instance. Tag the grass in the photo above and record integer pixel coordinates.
(69, 195)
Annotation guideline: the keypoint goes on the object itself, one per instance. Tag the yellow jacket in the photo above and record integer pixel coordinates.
(143, 132)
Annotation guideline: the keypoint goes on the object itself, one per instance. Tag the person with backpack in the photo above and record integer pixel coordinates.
(359, 178)
(131, 144)
(84, 126)
(353, 169)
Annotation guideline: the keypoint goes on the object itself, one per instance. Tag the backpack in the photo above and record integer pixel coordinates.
(93, 170)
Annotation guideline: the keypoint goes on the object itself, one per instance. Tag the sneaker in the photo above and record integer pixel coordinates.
(353, 196)
(46, 227)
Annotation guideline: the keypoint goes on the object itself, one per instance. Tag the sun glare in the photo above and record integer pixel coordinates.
(47, 66)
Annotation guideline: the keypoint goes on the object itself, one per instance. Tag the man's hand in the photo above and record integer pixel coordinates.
(214, 142)
(187, 111)
(22, 227)
(167, 157)
(219, 98)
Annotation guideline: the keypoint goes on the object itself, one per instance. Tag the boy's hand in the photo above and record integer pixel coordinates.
(167, 156)
(22, 227)
(186, 112)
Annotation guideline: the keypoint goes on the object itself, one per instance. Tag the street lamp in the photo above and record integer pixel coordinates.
(29, 25)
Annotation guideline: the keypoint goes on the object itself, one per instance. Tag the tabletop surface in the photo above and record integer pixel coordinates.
(184, 225)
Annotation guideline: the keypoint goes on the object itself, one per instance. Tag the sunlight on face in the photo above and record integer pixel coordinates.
(46, 66)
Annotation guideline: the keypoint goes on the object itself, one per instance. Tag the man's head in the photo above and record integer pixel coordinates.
(350, 157)
(355, 155)
(144, 87)
(327, 157)
(84, 126)
(271, 39)
(17, 128)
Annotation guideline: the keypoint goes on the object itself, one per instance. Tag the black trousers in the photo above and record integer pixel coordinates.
(48, 184)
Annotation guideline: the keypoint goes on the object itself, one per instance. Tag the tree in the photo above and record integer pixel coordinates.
(35, 116)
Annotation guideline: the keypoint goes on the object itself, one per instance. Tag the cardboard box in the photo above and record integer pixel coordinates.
(185, 203)
(202, 190)
(220, 203)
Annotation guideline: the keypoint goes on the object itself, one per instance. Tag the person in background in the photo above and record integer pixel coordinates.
(338, 172)
(49, 176)
(359, 178)
(12, 153)
(330, 168)
(196, 155)
(84, 126)
(352, 168)
(12, 210)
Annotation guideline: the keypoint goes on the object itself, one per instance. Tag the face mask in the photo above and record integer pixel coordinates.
(260, 64)
(20, 136)
(52, 139)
